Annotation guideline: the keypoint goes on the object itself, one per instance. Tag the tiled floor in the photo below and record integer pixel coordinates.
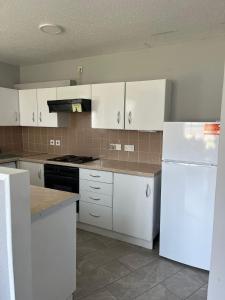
(109, 270)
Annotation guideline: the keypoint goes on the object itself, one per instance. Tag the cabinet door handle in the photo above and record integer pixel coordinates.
(95, 187)
(16, 116)
(33, 118)
(118, 117)
(148, 191)
(39, 174)
(95, 199)
(93, 215)
(130, 117)
(95, 176)
(40, 117)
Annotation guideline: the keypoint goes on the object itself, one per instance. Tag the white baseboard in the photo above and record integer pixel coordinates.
(115, 235)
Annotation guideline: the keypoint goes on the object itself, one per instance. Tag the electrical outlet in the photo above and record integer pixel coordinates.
(117, 147)
(57, 142)
(52, 142)
(129, 148)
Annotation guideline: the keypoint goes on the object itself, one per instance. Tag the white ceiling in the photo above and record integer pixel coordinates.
(95, 27)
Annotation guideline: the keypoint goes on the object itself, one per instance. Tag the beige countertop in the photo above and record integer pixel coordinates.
(43, 199)
(126, 167)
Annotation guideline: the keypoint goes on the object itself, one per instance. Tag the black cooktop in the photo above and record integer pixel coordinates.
(73, 159)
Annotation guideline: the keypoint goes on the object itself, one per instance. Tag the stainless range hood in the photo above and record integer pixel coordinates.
(70, 105)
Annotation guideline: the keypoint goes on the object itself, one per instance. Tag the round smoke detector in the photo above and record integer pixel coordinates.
(51, 28)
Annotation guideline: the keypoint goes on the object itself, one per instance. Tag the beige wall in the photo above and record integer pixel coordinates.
(217, 274)
(195, 67)
(9, 75)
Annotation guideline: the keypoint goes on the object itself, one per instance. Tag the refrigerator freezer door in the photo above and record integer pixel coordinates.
(187, 206)
(191, 142)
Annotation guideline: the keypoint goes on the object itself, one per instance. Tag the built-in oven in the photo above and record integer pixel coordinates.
(62, 178)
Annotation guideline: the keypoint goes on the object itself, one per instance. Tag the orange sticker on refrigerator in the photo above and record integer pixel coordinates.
(212, 129)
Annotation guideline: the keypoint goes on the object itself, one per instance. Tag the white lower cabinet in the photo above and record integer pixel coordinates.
(128, 206)
(36, 171)
(135, 206)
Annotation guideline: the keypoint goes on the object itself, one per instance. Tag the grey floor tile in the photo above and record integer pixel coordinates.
(100, 277)
(108, 269)
(158, 292)
(201, 294)
(83, 235)
(142, 279)
(185, 282)
(86, 247)
(136, 260)
(100, 295)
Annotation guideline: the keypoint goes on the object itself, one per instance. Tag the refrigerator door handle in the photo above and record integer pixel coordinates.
(184, 163)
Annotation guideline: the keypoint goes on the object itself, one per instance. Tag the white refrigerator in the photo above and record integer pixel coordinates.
(189, 168)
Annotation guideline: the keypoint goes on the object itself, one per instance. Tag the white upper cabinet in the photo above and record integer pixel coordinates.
(34, 109)
(74, 92)
(147, 104)
(46, 119)
(108, 105)
(9, 112)
(28, 107)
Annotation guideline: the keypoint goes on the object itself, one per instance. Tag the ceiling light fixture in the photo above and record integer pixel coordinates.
(51, 28)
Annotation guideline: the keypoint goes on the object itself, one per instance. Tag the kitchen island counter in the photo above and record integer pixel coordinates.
(43, 200)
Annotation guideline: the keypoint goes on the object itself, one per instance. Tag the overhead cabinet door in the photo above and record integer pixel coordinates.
(28, 107)
(46, 119)
(108, 105)
(147, 104)
(9, 113)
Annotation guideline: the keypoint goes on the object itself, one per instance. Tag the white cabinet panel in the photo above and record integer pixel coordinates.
(28, 107)
(73, 92)
(36, 171)
(9, 102)
(133, 206)
(108, 105)
(147, 104)
(46, 119)
(95, 175)
(96, 198)
(97, 215)
(96, 187)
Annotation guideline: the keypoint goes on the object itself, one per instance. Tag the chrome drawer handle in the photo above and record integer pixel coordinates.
(33, 118)
(95, 176)
(93, 215)
(40, 118)
(95, 199)
(95, 187)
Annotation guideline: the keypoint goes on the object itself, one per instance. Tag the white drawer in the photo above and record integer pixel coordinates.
(94, 175)
(96, 198)
(97, 215)
(96, 187)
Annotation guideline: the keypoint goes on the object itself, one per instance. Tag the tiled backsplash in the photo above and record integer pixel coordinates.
(79, 138)
(11, 139)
